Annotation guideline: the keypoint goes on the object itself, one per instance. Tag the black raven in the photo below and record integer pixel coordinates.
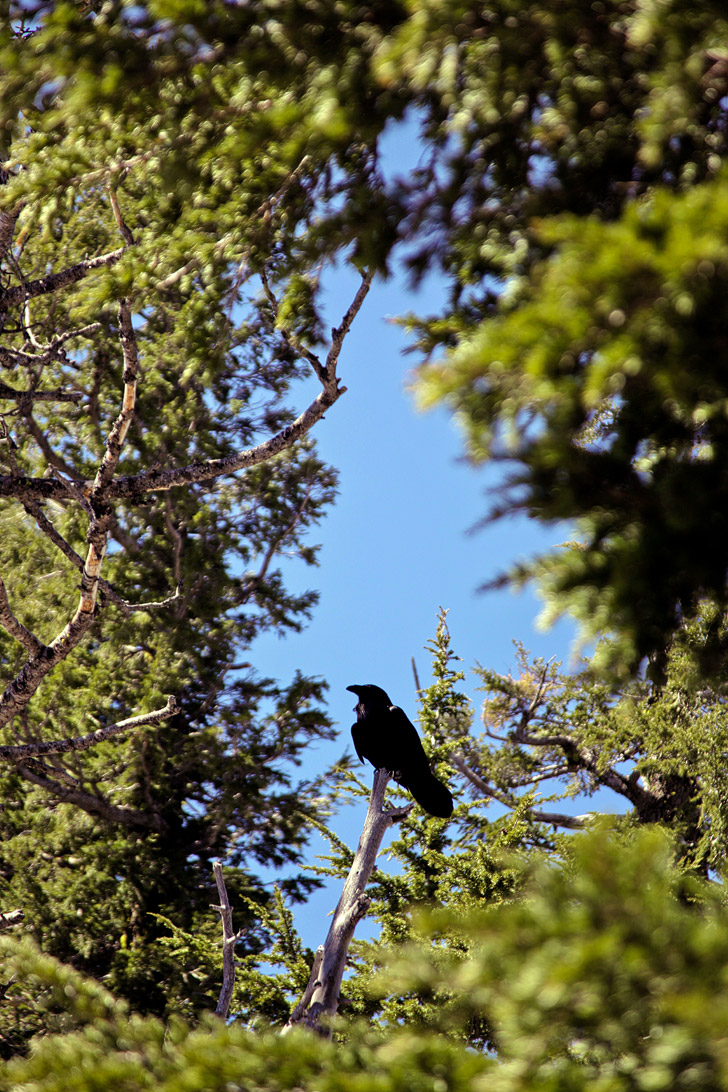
(384, 734)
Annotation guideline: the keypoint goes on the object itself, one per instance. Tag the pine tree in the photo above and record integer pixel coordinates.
(576, 201)
(174, 181)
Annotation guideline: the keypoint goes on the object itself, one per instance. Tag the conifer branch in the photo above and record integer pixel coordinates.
(19, 692)
(555, 819)
(135, 487)
(117, 436)
(35, 772)
(26, 397)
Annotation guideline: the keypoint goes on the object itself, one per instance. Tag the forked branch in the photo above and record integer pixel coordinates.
(320, 999)
(136, 487)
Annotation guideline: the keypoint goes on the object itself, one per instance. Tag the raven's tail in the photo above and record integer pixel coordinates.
(431, 794)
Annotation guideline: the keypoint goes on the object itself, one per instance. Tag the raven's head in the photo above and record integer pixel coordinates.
(370, 696)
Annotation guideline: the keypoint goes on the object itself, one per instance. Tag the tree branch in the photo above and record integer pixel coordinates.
(339, 332)
(8, 220)
(37, 773)
(8, 918)
(117, 436)
(320, 999)
(229, 938)
(19, 293)
(290, 338)
(135, 487)
(26, 397)
(34, 509)
(83, 743)
(255, 580)
(555, 819)
(15, 628)
(19, 692)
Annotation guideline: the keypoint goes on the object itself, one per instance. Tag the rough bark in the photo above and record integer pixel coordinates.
(228, 945)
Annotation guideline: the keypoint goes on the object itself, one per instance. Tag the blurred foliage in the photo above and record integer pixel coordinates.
(608, 973)
(579, 210)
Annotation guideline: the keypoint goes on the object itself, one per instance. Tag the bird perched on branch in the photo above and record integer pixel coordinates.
(384, 734)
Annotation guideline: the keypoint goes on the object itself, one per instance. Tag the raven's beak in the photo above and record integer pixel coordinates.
(354, 690)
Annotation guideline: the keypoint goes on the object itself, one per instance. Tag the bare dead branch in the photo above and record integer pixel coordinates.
(117, 436)
(322, 992)
(256, 579)
(21, 689)
(559, 819)
(155, 604)
(479, 783)
(290, 337)
(339, 332)
(124, 229)
(7, 439)
(84, 743)
(172, 278)
(49, 454)
(34, 509)
(135, 487)
(19, 293)
(569, 822)
(228, 943)
(19, 692)
(300, 1008)
(96, 496)
(74, 489)
(8, 220)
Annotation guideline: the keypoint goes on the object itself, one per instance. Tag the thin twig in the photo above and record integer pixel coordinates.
(21, 292)
(117, 436)
(38, 774)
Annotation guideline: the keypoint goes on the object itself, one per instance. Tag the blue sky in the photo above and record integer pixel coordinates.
(396, 547)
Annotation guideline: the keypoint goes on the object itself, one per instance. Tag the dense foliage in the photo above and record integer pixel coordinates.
(585, 147)
(608, 974)
(163, 242)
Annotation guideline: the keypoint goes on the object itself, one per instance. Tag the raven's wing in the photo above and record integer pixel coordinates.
(431, 794)
(356, 735)
(414, 767)
(406, 744)
(403, 726)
